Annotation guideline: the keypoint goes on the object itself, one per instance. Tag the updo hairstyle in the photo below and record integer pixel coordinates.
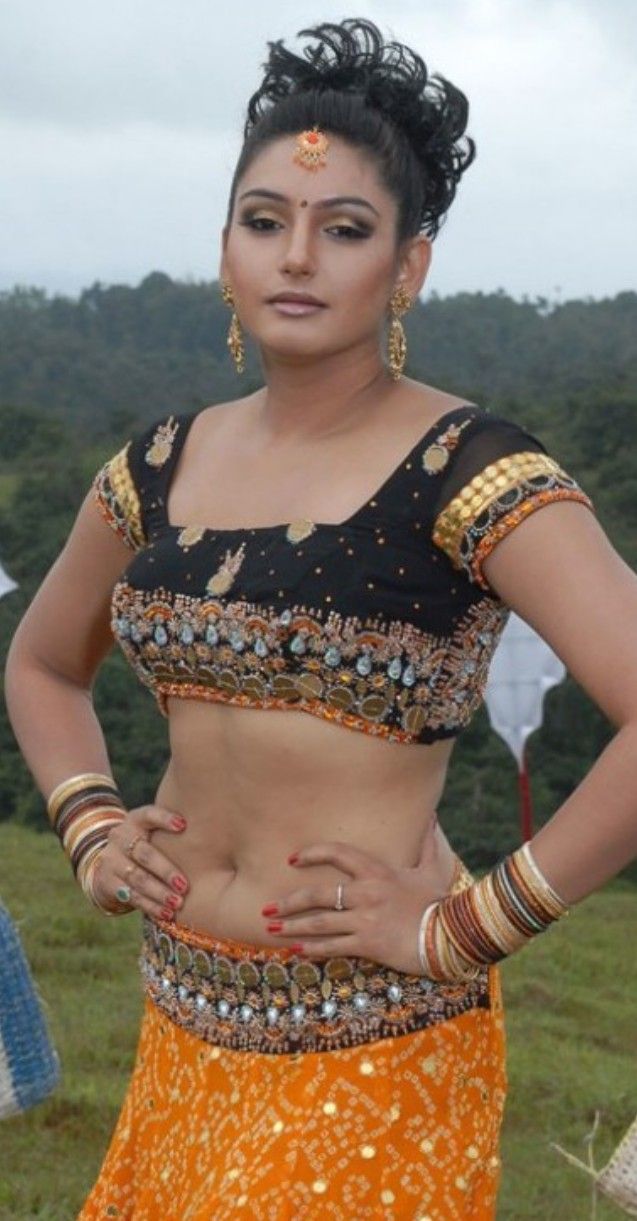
(378, 96)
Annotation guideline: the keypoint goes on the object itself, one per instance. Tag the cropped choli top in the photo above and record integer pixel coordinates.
(383, 623)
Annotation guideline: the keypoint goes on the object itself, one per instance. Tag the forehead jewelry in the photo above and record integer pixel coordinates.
(311, 149)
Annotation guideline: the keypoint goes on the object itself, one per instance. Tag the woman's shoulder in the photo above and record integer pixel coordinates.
(500, 472)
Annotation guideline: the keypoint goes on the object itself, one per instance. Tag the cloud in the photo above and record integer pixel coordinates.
(122, 123)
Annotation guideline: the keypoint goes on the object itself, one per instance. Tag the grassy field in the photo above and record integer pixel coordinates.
(571, 1021)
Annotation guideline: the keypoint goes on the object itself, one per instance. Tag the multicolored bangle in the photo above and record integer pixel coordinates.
(82, 811)
(487, 921)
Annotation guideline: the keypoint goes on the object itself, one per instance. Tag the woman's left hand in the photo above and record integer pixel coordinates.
(383, 905)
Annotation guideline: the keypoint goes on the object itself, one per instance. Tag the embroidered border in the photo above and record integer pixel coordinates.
(493, 503)
(390, 680)
(281, 1003)
(510, 520)
(116, 498)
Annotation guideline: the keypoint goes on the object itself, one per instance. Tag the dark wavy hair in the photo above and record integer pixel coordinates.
(378, 96)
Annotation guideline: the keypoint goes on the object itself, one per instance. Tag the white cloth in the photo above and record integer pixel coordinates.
(523, 669)
(6, 584)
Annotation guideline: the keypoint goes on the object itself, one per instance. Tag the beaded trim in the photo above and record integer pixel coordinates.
(392, 681)
(516, 515)
(493, 503)
(116, 498)
(279, 1002)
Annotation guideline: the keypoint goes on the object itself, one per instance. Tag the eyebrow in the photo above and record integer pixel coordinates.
(320, 203)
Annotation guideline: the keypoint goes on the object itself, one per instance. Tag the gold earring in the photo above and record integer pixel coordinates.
(235, 338)
(399, 304)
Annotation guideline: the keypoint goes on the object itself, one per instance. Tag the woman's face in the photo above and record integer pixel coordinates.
(315, 238)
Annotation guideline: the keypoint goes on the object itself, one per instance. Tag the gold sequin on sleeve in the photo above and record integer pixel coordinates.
(117, 499)
(494, 502)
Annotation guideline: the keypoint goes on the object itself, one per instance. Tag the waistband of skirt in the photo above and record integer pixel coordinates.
(270, 998)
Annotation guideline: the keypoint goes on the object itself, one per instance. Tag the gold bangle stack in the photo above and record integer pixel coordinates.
(484, 923)
(82, 811)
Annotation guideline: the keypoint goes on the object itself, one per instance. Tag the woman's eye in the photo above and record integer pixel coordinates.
(255, 222)
(348, 231)
(265, 224)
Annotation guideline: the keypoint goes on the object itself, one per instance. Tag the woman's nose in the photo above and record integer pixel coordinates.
(298, 258)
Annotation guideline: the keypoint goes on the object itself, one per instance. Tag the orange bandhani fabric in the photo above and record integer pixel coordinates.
(403, 1127)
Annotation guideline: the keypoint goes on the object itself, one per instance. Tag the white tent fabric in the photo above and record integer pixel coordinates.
(6, 584)
(522, 670)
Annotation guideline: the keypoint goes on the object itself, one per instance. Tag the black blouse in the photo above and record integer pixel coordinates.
(383, 623)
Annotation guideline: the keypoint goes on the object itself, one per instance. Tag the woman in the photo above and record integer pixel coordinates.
(322, 1033)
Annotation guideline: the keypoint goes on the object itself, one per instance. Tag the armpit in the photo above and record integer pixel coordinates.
(494, 501)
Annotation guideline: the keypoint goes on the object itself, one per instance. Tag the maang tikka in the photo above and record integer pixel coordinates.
(235, 338)
(311, 149)
(399, 303)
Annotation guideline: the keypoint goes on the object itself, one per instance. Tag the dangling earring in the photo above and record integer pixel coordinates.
(399, 304)
(235, 338)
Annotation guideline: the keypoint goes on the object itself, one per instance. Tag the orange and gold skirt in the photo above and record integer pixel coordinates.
(271, 1086)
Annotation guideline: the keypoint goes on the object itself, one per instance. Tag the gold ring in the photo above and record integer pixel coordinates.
(129, 850)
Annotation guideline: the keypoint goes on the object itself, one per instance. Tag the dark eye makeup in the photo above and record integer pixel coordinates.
(347, 232)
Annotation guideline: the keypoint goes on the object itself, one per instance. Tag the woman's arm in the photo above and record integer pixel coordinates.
(51, 667)
(56, 653)
(558, 570)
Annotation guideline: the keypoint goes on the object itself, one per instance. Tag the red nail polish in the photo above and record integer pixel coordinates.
(275, 927)
(178, 823)
(270, 909)
(293, 858)
(298, 946)
(173, 901)
(167, 913)
(179, 883)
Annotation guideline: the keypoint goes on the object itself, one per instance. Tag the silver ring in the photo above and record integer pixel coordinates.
(123, 894)
(339, 906)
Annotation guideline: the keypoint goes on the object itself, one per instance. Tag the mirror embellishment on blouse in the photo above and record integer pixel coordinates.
(391, 680)
(436, 455)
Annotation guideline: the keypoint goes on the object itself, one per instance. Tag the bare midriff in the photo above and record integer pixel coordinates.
(255, 785)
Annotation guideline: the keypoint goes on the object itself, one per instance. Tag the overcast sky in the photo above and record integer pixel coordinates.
(120, 124)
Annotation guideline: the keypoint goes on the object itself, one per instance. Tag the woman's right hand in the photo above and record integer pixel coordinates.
(129, 859)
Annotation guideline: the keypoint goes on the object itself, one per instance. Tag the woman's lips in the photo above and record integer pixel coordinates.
(296, 308)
